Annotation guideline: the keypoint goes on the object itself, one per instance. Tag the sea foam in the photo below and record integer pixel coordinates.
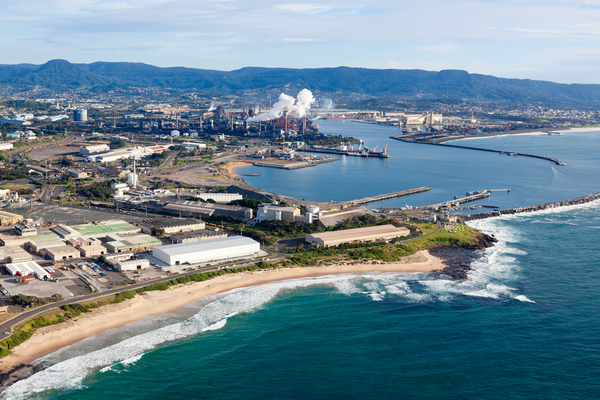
(490, 278)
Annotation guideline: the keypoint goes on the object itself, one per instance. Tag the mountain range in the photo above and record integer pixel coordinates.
(61, 76)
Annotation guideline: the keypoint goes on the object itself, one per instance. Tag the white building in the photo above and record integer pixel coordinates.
(132, 265)
(208, 251)
(6, 145)
(192, 145)
(220, 197)
(93, 149)
(28, 268)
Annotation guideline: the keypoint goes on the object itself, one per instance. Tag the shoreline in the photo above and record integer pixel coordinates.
(52, 338)
(232, 166)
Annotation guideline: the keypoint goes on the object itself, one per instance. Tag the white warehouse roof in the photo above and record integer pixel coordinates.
(27, 268)
(207, 250)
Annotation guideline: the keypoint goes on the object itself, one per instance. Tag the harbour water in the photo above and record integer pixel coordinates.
(449, 172)
(524, 325)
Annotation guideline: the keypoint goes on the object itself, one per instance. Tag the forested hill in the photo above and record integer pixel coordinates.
(62, 75)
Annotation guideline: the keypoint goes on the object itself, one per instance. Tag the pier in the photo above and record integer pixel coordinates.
(461, 200)
(510, 153)
(387, 196)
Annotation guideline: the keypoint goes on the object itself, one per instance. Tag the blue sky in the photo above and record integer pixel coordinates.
(549, 40)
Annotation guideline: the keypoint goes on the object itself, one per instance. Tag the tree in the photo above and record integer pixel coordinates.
(65, 161)
(158, 231)
(57, 297)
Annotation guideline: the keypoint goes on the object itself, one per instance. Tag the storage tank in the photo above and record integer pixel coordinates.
(132, 180)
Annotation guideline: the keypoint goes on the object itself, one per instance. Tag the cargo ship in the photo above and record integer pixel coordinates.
(349, 151)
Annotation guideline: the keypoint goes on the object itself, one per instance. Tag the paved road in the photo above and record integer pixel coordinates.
(165, 164)
(46, 193)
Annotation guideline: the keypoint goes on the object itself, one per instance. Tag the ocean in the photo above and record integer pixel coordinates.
(523, 325)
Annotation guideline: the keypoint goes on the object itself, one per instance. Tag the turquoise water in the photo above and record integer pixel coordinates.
(524, 325)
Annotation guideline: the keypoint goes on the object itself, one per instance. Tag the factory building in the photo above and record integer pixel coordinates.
(192, 145)
(132, 265)
(369, 234)
(170, 225)
(93, 149)
(25, 230)
(13, 254)
(186, 208)
(131, 242)
(130, 152)
(208, 251)
(112, 259)
(44, 242)
(60, 253)
(189, 237)
(27, 268)
(7, 218)
(92, 250)
(220, 197)
(276, 212)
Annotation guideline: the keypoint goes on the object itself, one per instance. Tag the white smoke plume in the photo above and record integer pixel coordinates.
(298, 106)
(212, 107)
(327, 104)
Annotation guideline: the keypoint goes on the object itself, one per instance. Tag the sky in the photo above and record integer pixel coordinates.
(555, 40)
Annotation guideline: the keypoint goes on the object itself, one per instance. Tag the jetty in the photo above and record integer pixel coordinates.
(461, 200)
(387, 196)
(541, 207)
(510, 153)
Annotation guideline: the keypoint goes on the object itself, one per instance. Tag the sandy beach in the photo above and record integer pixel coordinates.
(234, 165)
(52, 338)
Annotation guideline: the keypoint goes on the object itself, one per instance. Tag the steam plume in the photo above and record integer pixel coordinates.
(298, 106)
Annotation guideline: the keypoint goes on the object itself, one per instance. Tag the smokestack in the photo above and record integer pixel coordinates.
(303, 125)
(286, 128)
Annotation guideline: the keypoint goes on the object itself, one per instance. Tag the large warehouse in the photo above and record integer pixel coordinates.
(371, 233)
(214, 250)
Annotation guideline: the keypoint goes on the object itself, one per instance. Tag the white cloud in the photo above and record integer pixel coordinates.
(299, 40)
(304, 8)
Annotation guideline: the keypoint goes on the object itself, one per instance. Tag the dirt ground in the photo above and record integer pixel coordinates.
(50, 152)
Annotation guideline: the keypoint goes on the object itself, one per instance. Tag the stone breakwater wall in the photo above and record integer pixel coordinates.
(519, 210)
(510, 153)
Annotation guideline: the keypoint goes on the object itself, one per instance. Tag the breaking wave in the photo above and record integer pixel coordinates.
(494, 277)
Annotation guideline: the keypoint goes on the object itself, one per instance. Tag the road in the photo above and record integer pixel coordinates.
(8, 326)
(165, 164)
(46, 193)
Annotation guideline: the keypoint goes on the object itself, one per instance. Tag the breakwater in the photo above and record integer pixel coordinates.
(387, 196)
(541, 207)
(510, 153)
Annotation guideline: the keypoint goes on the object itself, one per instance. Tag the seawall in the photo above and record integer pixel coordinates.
(519, 210)
(510, 153)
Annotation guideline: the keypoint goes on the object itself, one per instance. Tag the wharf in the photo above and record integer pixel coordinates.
(510, 153)
(293, 165)
(461, 200)
(344, 152)
(387, 196)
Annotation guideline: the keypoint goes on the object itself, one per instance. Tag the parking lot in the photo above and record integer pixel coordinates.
(39, 288)
(70, 215)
